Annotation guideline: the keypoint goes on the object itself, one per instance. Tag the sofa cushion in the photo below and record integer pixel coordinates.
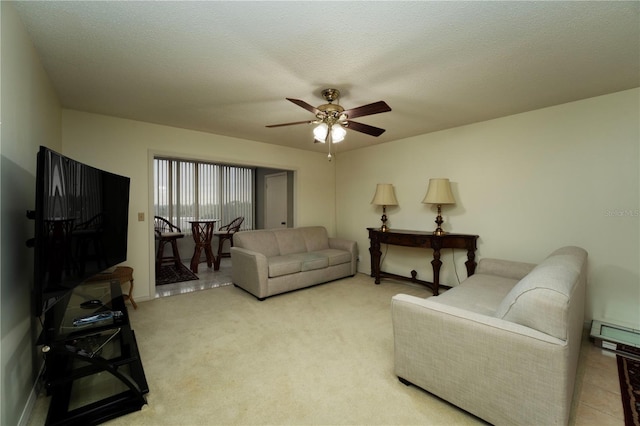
(262, 241)
(315, 237)
(284, 265)
(311, 261)
(336, 257)
(541, 299)
(290, 241)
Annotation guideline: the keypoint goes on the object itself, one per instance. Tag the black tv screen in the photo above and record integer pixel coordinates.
(81, 224)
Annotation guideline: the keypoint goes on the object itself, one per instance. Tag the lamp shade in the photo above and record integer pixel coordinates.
(385, 195)
(439, 192)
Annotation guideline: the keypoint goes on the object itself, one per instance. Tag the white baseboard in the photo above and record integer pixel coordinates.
(31, 401)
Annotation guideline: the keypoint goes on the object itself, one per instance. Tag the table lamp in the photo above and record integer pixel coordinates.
(384, 196)
(439, 193)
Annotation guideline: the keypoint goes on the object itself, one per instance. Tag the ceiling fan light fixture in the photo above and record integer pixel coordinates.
(320, 133)
(333, 120)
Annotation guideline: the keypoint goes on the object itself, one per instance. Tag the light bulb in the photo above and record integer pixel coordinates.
(337, 133)
(320, 132)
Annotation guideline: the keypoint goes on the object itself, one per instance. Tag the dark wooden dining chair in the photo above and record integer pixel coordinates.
(167, 233)
(225, 233)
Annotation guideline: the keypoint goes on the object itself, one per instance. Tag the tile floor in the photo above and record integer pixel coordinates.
(597, 388)
(208, 278)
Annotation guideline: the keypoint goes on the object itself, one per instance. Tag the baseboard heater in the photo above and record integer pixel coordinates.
(616, 338)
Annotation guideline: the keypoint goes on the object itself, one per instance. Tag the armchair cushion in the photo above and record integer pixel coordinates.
(504, 268)
(541, 299)
(480, 293)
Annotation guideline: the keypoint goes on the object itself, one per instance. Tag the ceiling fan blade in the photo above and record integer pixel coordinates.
(304, 105)
(291, 124)
(369, 109)
(364, 128)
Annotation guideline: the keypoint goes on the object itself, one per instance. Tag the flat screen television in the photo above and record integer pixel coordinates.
(81, 223)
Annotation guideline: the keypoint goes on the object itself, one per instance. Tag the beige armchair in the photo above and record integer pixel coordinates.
(502, 345)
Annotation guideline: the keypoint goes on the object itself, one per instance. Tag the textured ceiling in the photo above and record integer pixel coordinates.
(226, 67)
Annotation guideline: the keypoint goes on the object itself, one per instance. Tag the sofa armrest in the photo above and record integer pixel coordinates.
(250, 271)
(482, 364)
(348, 245)
(343, 244)
(504, 268)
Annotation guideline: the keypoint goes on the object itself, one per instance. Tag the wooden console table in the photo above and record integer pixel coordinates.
(202, 231)
(421, 239)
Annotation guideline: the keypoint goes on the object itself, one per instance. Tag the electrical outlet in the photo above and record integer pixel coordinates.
(140, 216)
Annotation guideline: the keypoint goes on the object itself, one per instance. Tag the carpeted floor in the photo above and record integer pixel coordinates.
(169, 274)
(319, 356)
(629, 374)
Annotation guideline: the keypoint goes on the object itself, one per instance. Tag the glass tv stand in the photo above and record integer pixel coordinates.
(93, 368)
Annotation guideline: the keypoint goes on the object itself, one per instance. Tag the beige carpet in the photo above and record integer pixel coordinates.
(321, 356)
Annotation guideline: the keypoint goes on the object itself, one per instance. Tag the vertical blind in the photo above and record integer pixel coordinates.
(192, 190)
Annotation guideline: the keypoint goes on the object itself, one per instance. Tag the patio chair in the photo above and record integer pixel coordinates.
(167, 233)
(225, 233)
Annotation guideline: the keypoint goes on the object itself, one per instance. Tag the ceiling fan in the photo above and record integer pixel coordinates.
(333, 120)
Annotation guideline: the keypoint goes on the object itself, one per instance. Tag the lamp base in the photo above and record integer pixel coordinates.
(439, 222)
(439, 232)
(384, 228)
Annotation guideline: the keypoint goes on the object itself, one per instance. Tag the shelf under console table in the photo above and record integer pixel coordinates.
(420, 239)
(93, 370)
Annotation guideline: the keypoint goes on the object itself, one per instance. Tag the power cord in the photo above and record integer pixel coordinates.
(455, 267)
(383, 255)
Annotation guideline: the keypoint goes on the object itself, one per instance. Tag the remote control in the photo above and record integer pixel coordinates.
(93, 318)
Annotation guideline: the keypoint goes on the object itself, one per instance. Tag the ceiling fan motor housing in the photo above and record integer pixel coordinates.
(331, 113)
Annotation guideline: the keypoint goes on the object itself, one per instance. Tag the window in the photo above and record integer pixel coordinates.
(193, 190)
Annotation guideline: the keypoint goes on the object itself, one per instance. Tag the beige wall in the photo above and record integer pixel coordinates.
(30, 116)
(527, 184)
(127, 147)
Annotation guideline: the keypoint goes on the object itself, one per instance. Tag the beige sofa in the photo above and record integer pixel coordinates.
(502, 345)
(274, 261)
